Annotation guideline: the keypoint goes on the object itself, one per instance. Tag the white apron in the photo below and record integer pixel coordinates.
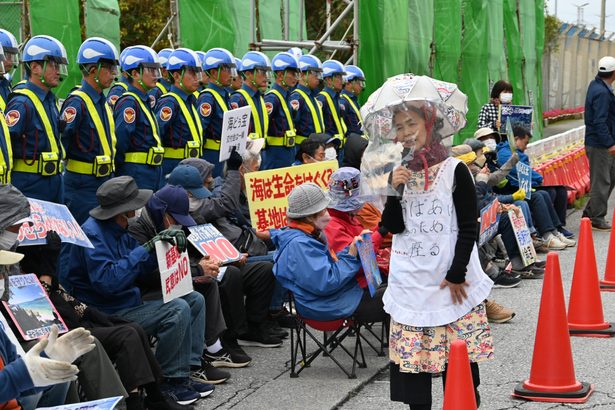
(423, 253)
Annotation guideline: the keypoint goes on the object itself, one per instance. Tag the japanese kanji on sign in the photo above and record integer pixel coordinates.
(235, 127)
(489, 220)
(523, 237)
(267, 191)
(175, 276)
(210, 242)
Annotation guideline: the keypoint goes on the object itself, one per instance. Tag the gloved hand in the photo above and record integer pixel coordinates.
(519, 195)
(176, 237)
(150, 245)
(69, 346)
(54, 243)
(46, 372)
(235, 161)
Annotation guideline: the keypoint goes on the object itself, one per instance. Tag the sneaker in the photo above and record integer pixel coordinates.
(601, 226)
(554, 244)
(530, 272)
(539, 244)
(274, 329)
(209, 374)
(504, 280)
(201, 388)
(565, 232)
(568, 242)
(540, 264)
(227, 358)
(179, 393)
(166, 404)
(497, 313)
(258, 337)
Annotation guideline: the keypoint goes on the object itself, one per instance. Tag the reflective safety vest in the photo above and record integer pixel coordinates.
(6, 164)
(121, 84)
(196, 130)
(103, 164)
(260, 130)
(316, 115)
(340, 125)
(2, 104)
(161, 87)
(48, 162)
(354, 107)
(288, 140)
(146, 157)
(211, 143)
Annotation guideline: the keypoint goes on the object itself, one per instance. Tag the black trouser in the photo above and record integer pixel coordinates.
(415, 388)
(256, 282)
(559, 198)
(214, 318)
(128, 347)
(371, 309)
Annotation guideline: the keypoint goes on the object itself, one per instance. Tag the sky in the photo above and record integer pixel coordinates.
(567, 12)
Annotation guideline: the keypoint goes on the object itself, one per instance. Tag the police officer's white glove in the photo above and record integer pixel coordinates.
(47, 372)
(69, 347)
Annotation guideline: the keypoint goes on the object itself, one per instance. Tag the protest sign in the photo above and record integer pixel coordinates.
(369, 263)
(235, 127)
(267, 191)
(519, 116)
(210, 242)
(524, 175)
(101, 404)
(30, 309)
(175, 276)
(4, 325)
(489, 221)
(523, 237)
(49, 216)
(510, 136)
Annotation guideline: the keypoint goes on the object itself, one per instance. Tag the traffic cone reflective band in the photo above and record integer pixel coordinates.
(585, 315)
(552, 377)
(459, 390)
(608, 284)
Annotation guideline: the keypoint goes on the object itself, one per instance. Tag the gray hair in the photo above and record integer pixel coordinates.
(249, 157)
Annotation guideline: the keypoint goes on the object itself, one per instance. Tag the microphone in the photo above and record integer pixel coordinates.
(407, 156)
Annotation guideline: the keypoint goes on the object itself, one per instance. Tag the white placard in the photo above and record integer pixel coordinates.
(523, 237)
(235, 127)
(175, 276)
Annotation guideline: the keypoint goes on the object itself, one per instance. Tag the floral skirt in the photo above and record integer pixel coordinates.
(425, 349)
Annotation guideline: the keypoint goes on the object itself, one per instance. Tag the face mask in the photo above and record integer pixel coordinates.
(7, 240)
(330, 154)
(506, 98)
(322, 222)
(194, 204)
(2, 287)
(175, 227)
(491, 144)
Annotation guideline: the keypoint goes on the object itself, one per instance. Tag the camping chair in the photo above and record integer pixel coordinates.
(382, 337)
(334, 333)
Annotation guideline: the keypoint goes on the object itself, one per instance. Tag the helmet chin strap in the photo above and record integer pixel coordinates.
(181, 82)
(96, 80)
(140, 81)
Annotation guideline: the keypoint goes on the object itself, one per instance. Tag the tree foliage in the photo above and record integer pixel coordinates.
(552, 26)
(142, 20)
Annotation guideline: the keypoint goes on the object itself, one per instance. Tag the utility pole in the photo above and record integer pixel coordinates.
(602, 15)
(580, 16)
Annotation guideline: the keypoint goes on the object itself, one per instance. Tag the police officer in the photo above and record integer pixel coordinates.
(163, 85)
(89, 136)
(139, 149)
(32, 118)
(178, 121)
(280, 140)
(333, 73)
(256, 70)
(213, 102)
(237, 81)
(307, 113)
(203, 83)
(120, 86)
(355, 83)
(6, 153)
(11, 59)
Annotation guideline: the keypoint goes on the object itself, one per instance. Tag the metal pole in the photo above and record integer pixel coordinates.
(164, 29)
(328, 14)
(602, 15)
(333, 27)
(286, 18)
(252, 21)
(355, 32)
(301, 7)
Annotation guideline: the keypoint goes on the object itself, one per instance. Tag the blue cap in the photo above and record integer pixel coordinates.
(177, 203)
(190, 179)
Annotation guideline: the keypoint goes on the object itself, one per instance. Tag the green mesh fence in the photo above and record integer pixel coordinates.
(103, 20)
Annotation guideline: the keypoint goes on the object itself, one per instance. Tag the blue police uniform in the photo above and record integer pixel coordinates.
(177, 132)
(238, 100)
(117, 90)
(5, 90)
(332, 114)
(281, 149)
(162, 87)
(6, 159)
(89, 154)
(36, 154)
(351, 112)
(139, 153)
(308, 115)
(211, 114)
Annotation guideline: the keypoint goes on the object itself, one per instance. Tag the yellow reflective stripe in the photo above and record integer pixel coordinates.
(100, 128)
(291, 125)
(40, 110)
(2, 104)
(79, 167)
(162, 88)
(9, 149)
(258, 127)
(174, 153)
(316, 115)
(218, 98)
(153, 124)
(354, 107)
(136, 157)
(195, 130)
(196, 94)
(339, 123)
(212, 144)
(124, 86)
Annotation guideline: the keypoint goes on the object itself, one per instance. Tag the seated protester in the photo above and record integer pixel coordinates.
(549, 221)
(323, 283)
(106, 278)
(310, 151)
(169, 207)
(255, 281)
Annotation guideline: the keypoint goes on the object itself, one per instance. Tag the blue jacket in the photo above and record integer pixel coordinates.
(504, 154)
(157, 92)
(174, 130)
(330, 127)
(5, 89)
(117, 90)
(104, 276)
(352, 120)
(210, 112)
(303, 119)
(323, 289)
(278, 123)
(14, 377)
(599, 115)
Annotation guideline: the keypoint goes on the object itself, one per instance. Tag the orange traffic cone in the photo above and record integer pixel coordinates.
(608, 284)
(459, 390)
(585, 315)
(552, 377)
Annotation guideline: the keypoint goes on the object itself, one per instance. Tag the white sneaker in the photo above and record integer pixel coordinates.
(554, 244)
(568, 242)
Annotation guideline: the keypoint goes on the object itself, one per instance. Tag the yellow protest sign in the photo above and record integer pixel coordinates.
(267, 191)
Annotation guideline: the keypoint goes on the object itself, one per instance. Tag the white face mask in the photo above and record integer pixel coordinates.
(175, 227)
(491, 144)
(330, 154)
(7, 240)
(194, 204)
(131, 220)
(506, 98)
(322, 221)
